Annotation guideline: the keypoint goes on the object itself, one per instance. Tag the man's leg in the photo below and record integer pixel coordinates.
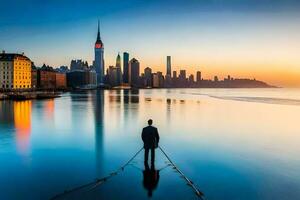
(152, 155)
(146, 154)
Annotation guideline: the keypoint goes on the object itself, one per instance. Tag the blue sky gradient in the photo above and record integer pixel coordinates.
(241, 37)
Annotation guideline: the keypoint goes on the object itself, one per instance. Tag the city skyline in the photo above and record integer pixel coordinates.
(252, 42)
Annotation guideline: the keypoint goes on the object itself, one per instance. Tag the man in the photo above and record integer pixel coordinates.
(150, 138)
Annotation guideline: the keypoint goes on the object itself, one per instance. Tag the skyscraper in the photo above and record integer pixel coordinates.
(169, 65)
(182, 74)
(99, 58)
(148, 76)
(182, 78)
(198, 76)
(118, 61)
(155, 80)
(118, 70)
(134, 72)
(175, 74)
(125, 67)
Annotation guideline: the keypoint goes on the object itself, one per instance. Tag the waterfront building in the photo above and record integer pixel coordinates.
(169, 65)
(182, 74)
(191, 80)
(99, 58)
(198, 78)
(182, 81)
(155, 80)
(112, 77)
(148, 77)
(125, 67)
(46, 77)
(216, 79)
(168, 81)
(175, 74)
(174, 79)
(60, 80)
(79, 65)
(63, 69)
(15, 71)
(81, 79)
(33, 76)
(49, 78)
(134, 72)
(160, 79)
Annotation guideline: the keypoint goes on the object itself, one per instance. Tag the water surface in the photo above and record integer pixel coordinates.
(233, 143)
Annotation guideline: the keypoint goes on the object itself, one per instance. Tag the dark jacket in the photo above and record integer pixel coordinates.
(150, 137)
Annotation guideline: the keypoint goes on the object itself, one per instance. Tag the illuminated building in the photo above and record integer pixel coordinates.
(118, 70)
(99, 58)
(15, 71)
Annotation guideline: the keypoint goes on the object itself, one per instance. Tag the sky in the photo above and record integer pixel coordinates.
(242, 38)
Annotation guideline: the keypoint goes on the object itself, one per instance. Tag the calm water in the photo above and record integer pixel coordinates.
(233, 143)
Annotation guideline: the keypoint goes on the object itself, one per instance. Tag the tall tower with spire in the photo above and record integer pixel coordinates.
(118, 61)
(99, 58)
(118, 69)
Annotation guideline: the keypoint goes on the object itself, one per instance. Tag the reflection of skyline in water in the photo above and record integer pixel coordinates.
(49, 106)
(22, 120)
(87, 134)
(98, 106)
(17, 114)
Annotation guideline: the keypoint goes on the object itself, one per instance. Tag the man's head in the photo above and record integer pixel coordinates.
(150, 122)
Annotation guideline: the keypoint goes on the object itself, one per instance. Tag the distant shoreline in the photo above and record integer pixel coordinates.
(48, 94)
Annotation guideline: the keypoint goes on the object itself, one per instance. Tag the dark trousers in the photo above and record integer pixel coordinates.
(147, 154)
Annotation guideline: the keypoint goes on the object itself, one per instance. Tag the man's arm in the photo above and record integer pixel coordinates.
(143, 135)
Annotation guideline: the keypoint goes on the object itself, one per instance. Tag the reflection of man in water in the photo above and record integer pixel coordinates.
(151, 177)
(150, 138)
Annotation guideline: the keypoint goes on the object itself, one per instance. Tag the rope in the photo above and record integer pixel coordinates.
(98, 180)
(189, 182)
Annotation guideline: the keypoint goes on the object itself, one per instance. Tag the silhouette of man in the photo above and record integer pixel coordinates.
(150, 138)
(151, 178)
